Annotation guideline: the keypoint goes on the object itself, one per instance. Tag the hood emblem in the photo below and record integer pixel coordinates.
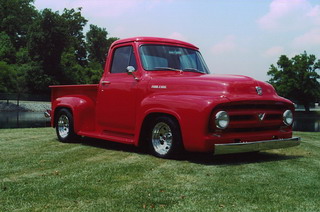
(259, 90)
(261, 116)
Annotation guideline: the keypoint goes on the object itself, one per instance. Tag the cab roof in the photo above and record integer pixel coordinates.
(154, 40)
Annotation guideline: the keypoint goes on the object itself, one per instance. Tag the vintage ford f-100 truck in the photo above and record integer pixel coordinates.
(159, 93)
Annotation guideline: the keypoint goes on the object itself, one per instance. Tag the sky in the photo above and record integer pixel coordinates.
(242, 37)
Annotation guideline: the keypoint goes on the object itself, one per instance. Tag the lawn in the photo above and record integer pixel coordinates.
(38, 173)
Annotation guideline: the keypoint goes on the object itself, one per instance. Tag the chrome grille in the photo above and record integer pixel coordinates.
(244, 116)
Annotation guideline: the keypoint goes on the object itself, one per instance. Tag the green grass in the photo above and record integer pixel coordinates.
(37, 173)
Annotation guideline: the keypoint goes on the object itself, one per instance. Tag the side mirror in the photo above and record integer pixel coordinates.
(130, 71)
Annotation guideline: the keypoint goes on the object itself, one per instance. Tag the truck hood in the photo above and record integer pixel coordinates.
(233, 87)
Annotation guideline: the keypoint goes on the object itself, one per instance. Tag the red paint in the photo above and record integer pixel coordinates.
(115, 109)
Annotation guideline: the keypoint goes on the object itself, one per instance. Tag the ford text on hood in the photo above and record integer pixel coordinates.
(159, 94)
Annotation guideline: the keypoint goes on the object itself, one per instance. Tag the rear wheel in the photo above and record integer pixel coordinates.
(165, 137)
(64, 126)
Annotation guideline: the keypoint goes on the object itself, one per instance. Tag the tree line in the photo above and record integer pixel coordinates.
(41, 48)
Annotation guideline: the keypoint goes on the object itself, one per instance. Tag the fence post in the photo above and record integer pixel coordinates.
(18, 99)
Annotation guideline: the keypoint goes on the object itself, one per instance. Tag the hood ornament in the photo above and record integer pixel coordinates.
(259, 90)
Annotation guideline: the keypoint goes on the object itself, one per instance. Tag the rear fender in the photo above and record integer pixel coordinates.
(82, 108)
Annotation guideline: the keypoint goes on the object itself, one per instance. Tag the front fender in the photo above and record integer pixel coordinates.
(192, 112)
(82, 108)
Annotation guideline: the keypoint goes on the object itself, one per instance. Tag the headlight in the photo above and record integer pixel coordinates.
(222, 120)
(288, 117)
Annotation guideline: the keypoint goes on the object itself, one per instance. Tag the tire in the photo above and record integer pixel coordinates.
(164, 137)
(64, 126)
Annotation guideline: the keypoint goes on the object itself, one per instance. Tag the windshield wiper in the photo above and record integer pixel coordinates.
(168, 68)
(192, 70)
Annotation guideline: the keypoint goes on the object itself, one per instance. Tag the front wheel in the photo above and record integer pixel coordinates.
(64, 126)
(165, 137)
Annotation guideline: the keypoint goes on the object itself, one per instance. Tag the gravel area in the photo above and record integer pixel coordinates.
(25, 106)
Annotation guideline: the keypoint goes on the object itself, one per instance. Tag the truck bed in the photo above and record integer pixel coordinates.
(74, 90)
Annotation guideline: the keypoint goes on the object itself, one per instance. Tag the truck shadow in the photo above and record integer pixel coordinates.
(197, 158)
(237, 159)
(109, 145)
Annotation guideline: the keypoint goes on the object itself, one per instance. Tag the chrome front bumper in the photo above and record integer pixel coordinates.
(255, 146)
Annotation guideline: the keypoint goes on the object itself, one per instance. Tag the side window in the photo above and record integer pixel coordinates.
(122, 58)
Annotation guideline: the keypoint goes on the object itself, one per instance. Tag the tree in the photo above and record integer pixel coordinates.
(75, 23)
(297, 78)
(42, 48)
(46, 42)
(15, 18)
(98, 44)
(94, 72)
(73, 71)
(8, 78)
(7, 50)
(50, 36)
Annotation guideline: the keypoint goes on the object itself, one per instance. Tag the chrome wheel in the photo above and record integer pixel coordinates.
(162, 138)
(63, 126)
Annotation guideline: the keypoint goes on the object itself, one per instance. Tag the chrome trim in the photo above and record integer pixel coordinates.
(47, 114)
(130, 71)
(162, 138)
(105, 82)
(261, 116)
(287, 114)
(222, 116)
(255, 146)
(259, 90)
(63, 126)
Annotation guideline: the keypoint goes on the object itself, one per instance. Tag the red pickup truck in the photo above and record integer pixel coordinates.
(158, 93)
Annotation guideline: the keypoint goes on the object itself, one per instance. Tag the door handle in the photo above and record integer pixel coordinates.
(106, 82)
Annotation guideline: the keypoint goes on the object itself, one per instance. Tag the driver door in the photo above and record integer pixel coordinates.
(116, 109)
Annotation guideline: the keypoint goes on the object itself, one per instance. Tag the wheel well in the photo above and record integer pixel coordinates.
(56, 113)
(146, 124)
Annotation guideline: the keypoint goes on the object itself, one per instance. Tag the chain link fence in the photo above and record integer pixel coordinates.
(17, 97)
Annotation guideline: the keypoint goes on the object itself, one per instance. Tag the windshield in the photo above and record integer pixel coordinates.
(171, 58)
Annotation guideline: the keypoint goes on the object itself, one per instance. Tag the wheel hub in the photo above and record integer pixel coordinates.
(162, 138)
(63, 126)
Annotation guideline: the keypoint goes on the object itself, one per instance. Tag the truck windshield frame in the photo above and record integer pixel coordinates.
(158, 57)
